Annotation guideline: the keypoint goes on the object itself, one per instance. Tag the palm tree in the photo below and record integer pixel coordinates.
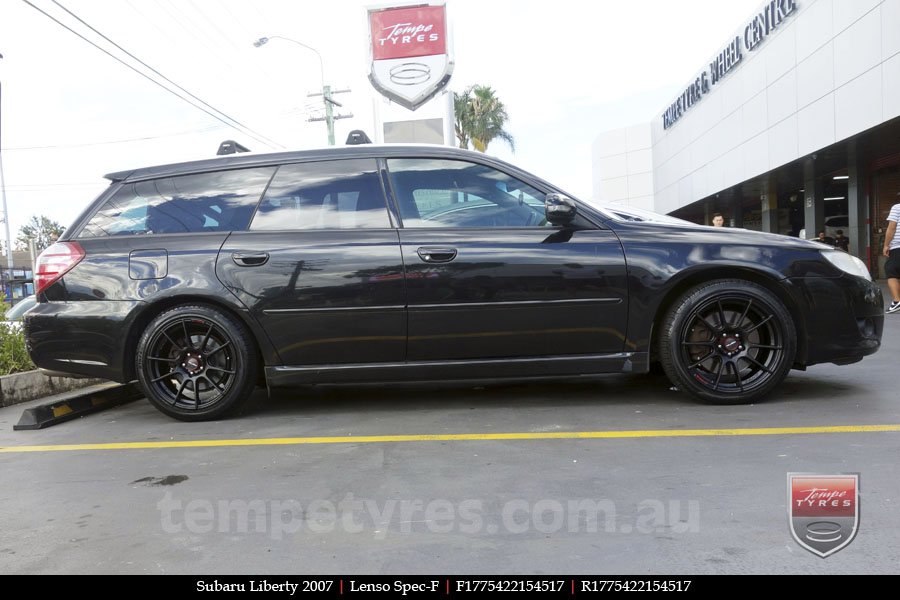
(462, 110)
(481, 118)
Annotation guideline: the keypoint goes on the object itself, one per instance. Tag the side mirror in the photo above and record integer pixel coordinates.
(560, 210)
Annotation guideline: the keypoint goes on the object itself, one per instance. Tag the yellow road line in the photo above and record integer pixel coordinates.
(456, 437)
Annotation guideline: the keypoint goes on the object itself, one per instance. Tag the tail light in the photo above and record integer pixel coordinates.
(54, 262)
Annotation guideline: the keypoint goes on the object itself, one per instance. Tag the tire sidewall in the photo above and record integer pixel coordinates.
(245, 362)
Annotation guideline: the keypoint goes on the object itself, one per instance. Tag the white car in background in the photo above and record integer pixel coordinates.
(13, 318)
(832, 224)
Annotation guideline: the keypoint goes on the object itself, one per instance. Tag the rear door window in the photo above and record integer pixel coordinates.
(338, 194)
(218, 201)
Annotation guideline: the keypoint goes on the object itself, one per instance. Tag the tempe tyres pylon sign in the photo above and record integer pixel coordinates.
(410, 57)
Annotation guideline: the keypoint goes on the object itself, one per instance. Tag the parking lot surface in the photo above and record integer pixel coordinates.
(618, 474)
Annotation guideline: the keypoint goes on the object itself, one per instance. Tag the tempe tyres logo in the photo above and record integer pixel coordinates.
(410, 52)
(823, 511)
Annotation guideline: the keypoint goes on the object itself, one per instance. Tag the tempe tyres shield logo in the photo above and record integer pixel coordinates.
(823, 511)
(410, 53)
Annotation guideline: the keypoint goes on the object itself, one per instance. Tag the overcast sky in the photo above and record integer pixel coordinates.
(566, 70)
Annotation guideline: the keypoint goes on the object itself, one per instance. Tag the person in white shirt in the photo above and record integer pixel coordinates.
(892, 251)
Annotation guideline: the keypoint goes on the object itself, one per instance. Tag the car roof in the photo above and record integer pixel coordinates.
(331, 153)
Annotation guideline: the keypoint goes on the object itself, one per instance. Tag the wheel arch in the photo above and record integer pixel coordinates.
(714, 273)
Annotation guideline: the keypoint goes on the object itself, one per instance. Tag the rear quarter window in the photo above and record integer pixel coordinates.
(218, 201)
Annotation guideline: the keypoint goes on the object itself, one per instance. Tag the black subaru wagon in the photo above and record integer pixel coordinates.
(403, 263)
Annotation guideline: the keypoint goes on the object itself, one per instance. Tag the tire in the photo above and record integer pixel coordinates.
(196, 363)
(727, 342)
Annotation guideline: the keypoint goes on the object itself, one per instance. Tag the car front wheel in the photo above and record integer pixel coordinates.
(727, 342)
(196, 363)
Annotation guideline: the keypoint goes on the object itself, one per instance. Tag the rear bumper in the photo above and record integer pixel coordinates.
(843, 318)
(84, 338)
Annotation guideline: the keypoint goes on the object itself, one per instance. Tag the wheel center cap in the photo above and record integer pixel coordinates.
(192, 362)
(730, 344)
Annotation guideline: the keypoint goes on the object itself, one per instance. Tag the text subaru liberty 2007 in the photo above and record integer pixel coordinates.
(398, 263)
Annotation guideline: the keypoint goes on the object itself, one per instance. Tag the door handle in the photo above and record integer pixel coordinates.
(250, 259)
(436, 255)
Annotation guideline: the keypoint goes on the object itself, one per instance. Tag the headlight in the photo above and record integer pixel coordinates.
(847, 263)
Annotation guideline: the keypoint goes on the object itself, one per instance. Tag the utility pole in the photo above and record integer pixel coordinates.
(330, 117)
(326, 92)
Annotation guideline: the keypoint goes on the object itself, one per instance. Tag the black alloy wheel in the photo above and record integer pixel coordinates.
(728, 342)
(196, 363)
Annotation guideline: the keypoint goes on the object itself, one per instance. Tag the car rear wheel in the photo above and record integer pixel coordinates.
(196, 363)
(727, 342)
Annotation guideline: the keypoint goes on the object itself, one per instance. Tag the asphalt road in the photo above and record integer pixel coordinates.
(310, 491)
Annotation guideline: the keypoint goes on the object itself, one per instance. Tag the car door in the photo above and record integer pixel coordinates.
(487, 277)
(320, 266)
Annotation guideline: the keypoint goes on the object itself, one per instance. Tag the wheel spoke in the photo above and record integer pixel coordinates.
(171, 341)
(765, 346)
(213, 383)
(214, 368)
(187, 337)
(757, 363)
(722, 322)
(719, 375)
(737, 374)
(180, 389)
(161, 377)
(708, 344)
(701, 361)
(196, 394)
(712, 328)
(225, 345)
(744, 314)
(760, 324)
(162, 359)
(206, 338)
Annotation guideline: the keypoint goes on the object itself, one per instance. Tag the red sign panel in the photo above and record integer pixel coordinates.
(823, 496)
(408, 32)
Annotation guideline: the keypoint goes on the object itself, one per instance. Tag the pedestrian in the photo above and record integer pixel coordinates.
(842, 241)
(718, 220)
(892, 251)
(824, 239)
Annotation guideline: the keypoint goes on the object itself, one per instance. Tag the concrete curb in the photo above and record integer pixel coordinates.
(33, 385)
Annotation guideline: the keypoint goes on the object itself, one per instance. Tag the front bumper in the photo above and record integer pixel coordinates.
(843, 318)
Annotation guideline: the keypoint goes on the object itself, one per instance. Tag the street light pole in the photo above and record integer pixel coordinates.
(9, 256)
(326, 89)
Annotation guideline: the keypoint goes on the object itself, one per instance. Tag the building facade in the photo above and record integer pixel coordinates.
(793, 127)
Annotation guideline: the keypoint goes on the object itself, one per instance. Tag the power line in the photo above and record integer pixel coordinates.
(235, 125)
(122, 141)
(198, 32)
(89, 26)
(197, 36)
(63, 184)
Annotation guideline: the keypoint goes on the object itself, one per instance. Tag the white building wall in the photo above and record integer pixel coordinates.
(623, 167)
(828, 72)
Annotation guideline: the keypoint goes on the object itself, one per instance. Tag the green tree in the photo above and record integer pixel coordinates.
(462, 110)
(40, 229)
(480, 118)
